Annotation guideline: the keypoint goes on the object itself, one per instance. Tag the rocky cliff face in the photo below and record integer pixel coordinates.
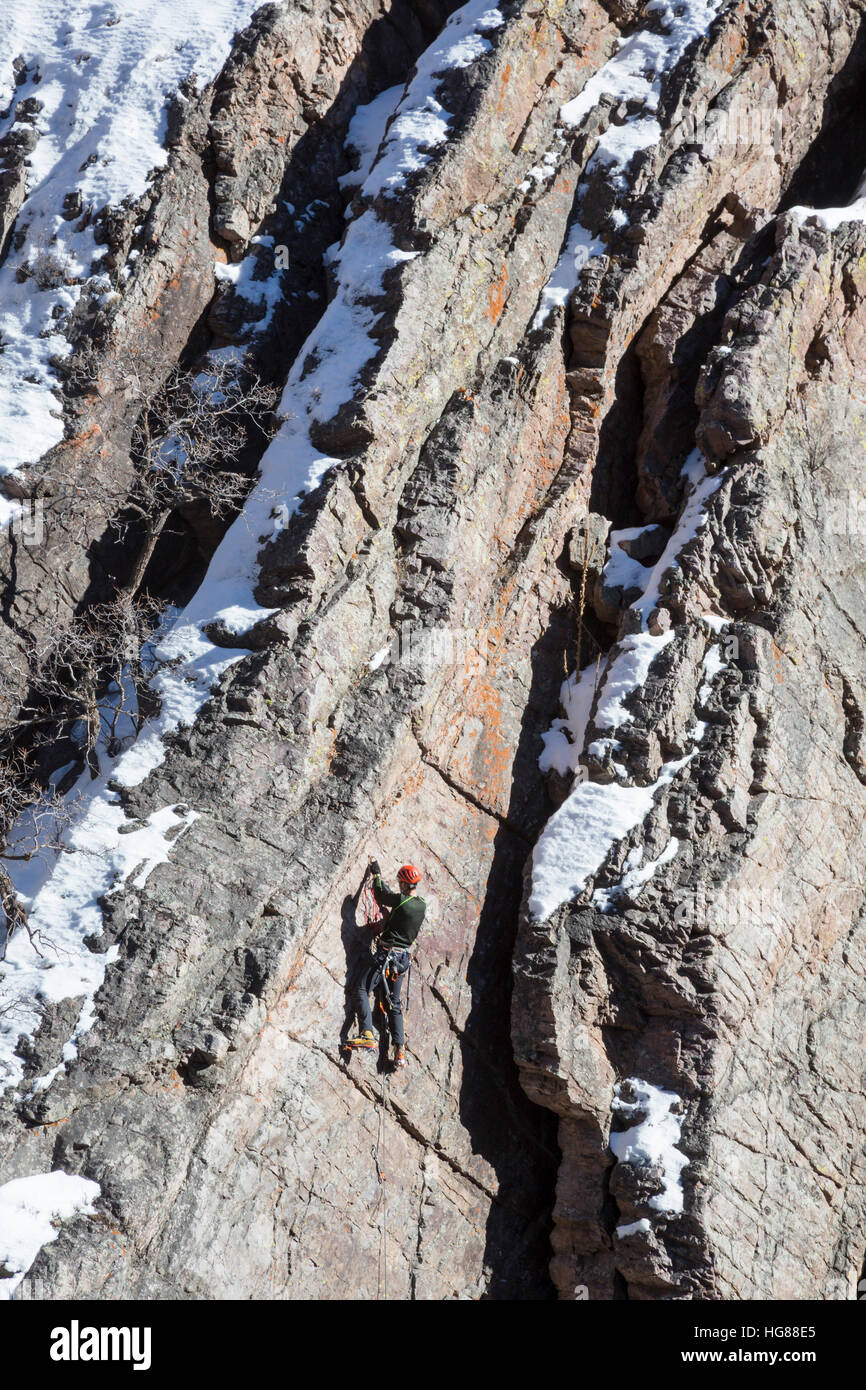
(550, 582)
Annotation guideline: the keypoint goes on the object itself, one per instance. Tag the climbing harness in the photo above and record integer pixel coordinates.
(389, 973)
(388, 967)
(388, 963)
(379, 1160)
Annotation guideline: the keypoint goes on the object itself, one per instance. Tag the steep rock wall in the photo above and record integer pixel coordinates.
(231, 1144)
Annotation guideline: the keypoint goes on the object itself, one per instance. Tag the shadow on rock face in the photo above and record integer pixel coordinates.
(516, 1137)
(356, 944)
(357, 956)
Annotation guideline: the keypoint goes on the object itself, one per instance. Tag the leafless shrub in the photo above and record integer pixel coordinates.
(49, 266)
(10, 1007)
(88, 691)
(22, 798)
(189, 429)
(87, 678)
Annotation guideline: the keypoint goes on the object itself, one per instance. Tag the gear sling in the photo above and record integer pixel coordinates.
(385, 973)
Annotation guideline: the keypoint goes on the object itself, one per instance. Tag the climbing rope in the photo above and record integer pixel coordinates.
(379, 1160)
(372, 910)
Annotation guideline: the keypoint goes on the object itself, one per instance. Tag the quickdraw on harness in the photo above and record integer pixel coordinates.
(388, 966)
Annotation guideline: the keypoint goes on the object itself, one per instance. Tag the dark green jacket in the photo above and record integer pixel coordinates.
(405, 916)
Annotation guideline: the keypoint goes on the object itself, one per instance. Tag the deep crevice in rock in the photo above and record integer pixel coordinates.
(828, 175)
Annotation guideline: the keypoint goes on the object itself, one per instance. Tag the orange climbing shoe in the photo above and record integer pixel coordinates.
(364, 1040)
(399, 1057)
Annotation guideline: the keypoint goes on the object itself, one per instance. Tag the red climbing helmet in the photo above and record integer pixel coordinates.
(408, 874)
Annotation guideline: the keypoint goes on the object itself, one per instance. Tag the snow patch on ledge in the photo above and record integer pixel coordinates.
(99, 858)
(421, 122)
(563, 741)
(636, 875)
(716, 622)
(263, 293)
(580, 247)
(628, 672)
(652, 1140)
(713, 663)
(366, 133)
(636, 69)
(634, 74)
(701, 486)
(831, 219)
(632, 1228)
(578, 837)
(621, 571)
(29, 1209)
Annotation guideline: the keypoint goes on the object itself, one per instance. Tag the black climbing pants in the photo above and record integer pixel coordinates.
(372, 980)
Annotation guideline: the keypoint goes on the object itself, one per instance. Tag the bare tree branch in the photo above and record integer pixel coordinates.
(189, 430)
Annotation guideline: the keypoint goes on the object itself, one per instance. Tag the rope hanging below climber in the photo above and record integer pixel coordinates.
(394, 920)
(379, 1160)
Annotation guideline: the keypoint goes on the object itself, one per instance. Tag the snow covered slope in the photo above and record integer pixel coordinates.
(103, 75)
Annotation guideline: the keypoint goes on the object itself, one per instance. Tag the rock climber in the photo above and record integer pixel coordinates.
(391, 960)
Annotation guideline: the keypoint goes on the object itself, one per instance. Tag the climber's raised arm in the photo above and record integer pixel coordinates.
(385, 896)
